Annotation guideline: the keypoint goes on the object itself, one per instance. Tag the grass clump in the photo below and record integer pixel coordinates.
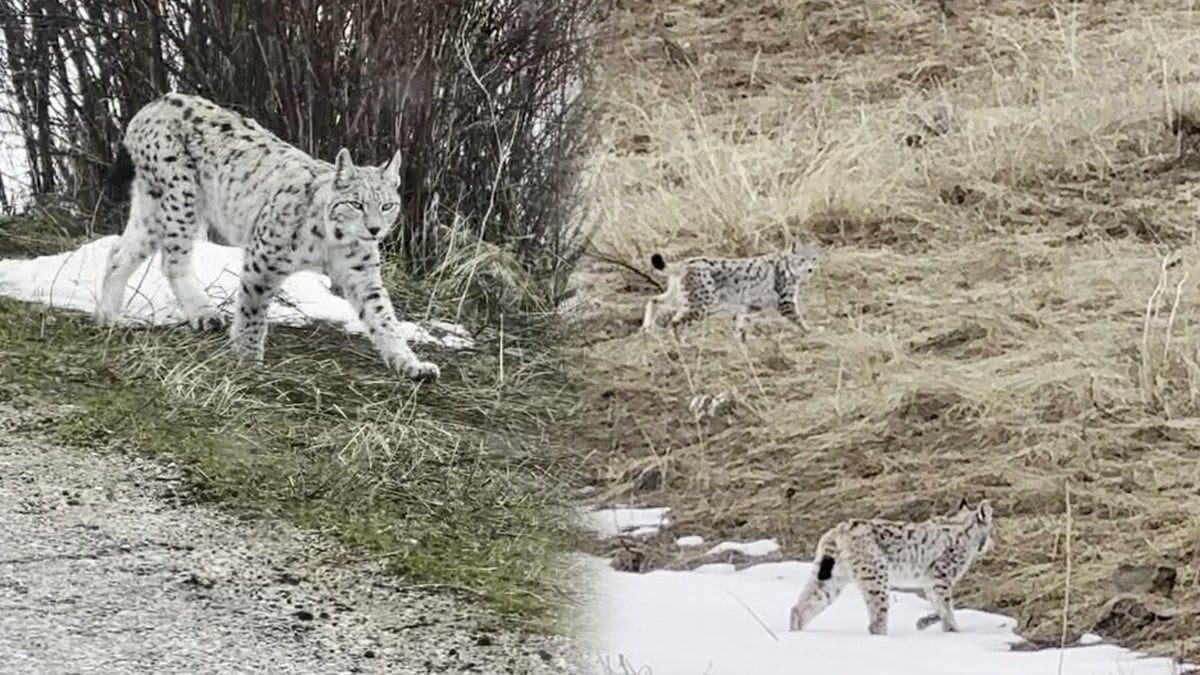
(457, 483)
(42, 231)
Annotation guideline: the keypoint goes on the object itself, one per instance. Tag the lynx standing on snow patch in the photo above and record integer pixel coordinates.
(696, 287)
(880, 554)
(195, 165)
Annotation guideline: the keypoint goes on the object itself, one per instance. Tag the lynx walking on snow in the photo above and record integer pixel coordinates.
(697, 287)
(194, 166)
(878, 554)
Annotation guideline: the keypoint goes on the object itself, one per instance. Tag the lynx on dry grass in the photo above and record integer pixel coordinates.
(880, 554)
(698, 287)
(195, 165)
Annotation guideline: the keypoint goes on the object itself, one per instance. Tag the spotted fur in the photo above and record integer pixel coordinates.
(877, 555)
(698, 287)
(194, 166)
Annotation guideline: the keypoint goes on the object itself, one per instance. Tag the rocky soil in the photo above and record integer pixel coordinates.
(109, 565)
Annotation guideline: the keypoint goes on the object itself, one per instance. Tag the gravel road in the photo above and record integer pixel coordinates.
(107, 567)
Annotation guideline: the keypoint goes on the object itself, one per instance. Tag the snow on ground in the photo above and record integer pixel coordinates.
(624, 520)
(719, 621)
(754, 549)
(736, 623)
(71, 280)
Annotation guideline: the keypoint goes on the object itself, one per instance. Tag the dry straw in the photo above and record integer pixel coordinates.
(1007, 290)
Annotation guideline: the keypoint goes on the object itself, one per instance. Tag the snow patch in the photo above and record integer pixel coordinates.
(726, 622)
(689, 541)
(72, 280)
(626, 520)
(754, 549)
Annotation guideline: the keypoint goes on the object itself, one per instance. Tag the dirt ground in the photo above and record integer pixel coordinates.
(111, 565)
(1004, 197)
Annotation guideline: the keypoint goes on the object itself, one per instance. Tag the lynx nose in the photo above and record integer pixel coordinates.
(372, 230)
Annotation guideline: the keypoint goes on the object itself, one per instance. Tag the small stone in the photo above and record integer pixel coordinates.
(1125, 614)
(194, 579)
(289, 578)
(484, 641)
(1158, 579)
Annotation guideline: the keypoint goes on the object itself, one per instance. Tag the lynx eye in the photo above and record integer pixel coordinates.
(357, 206)
(389, 206)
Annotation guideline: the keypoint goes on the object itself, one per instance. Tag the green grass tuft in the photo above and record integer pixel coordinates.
(44, 231)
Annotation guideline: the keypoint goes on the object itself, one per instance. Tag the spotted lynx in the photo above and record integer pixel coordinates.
(880, 554)
(194, 166)
(698, 287)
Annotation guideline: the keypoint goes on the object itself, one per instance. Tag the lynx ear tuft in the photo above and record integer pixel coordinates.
(984, 512)
(391, 170)
(341, 167)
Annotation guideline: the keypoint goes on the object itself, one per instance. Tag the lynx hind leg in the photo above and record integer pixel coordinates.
(872, 582)
(927, 621)
(789, 309)
(650, 318)
(827, 582)
(179, 238)
(939, 594)
(135, 245)
(740, 323)
(688, 315)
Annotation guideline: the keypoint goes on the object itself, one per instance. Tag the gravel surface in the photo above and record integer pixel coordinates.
(106, 566)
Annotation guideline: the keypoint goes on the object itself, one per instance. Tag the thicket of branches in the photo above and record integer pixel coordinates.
(488, 99)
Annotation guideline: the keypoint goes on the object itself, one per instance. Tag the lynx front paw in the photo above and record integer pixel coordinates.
(208, 320)
(247, 357)
(414, 368)
(927, 621)
(423, 371)
(107, 317)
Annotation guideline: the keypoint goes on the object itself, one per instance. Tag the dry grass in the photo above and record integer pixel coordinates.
(1008, 303)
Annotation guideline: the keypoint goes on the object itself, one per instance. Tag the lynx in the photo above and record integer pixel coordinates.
(194, 166)
(880, 554)
(698, 287)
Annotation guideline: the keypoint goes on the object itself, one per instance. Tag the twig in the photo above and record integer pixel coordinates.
(751, 612)
(613, 260)
(1062, 643)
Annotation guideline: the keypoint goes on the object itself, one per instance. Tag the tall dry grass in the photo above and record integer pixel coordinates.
(1008, 304)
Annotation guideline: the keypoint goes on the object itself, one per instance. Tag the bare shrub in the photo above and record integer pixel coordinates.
(488, 99)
